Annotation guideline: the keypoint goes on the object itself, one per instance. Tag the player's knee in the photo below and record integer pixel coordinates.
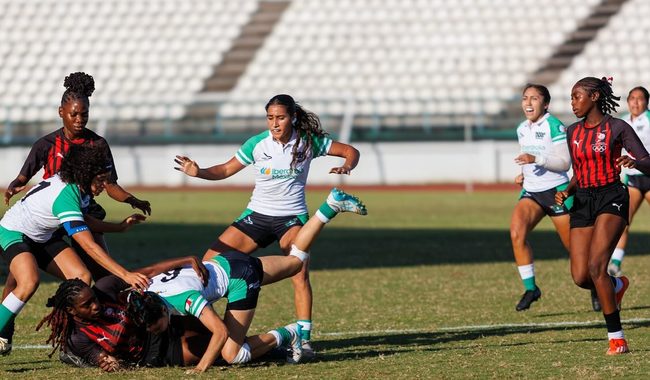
(243, 356)
(596, 269)
(517, 235)
(26, 286)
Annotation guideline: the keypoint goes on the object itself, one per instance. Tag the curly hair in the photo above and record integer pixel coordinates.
(606, 102)
(144, 308)
(79, 86)
(305, 122)
(59, 319)
(82, 164)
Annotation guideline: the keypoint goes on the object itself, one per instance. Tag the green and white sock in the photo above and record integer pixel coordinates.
(527, 274)
(281, 335)
(9, 308)
(617, 256)
(305, 329)
(325, 213)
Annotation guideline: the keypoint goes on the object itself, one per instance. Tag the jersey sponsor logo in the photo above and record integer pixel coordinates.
(601, 136)
(540, 135)
(281, 173)
(577, 142)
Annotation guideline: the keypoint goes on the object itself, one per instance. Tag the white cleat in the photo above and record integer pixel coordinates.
(340, 201)
(5, 347)
(294, 348)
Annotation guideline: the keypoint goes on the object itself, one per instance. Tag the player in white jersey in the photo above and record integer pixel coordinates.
(281, 157)
(238, 277)
(544, 161)
(27, 228)
(638, 184)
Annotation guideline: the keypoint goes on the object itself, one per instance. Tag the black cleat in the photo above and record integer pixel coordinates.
(595, 303)
(73, 360)
(528, 298)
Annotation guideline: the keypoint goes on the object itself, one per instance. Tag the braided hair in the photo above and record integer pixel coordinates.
(82, 164)
(59, 319)
(79, 86)
(303, 121)
(144, 308)
(606, 102)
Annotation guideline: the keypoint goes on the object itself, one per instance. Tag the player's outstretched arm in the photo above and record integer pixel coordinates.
(178, 262)
(213, 173)
(212, 322)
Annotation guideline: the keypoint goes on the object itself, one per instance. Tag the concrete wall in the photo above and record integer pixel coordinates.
(380, 164)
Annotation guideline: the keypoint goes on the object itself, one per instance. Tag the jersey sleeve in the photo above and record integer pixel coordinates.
(245, 153)
(67, 205)
(631, 141)
(110, 163)
(35, 159)
(557, 129)
(190, 302)
(84, 347)
(321, 145)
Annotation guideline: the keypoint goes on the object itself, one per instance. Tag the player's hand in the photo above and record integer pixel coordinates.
(142, 205)
(11, 191)
(519, 180)
(561, 196)
(341, 170)
(194, 371)
(200, 270)
(187, 166)
(132, 220)
(108, 363)
(524, 159)
(626, 162)
(136, 280)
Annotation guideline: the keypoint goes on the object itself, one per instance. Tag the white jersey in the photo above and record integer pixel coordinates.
(44, 208)
(279, 190)
(538, 139)
(641, 126)
(183, 290)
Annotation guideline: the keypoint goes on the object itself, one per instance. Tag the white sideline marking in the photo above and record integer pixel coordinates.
(438, 330)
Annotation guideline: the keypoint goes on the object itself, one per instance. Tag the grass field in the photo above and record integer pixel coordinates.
(423, 287)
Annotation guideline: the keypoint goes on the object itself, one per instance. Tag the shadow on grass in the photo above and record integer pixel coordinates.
(375, 345)
(338, 248)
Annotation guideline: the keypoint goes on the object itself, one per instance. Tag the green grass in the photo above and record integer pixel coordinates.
(423, 287)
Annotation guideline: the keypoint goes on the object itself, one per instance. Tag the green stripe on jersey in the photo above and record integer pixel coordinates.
(245, 152)
(9, 237)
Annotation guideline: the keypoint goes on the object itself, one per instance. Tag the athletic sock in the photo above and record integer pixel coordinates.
(305, 329)
(617, 256)
(281, 335)
(527, 274)
(9, 308)
(325, 213)
(300, 254)
(614, 328)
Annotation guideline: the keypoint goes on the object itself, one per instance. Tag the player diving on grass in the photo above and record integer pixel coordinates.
(232, 275)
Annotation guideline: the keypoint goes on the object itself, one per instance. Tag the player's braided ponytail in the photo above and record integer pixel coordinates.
(607, 100)
(59, 320)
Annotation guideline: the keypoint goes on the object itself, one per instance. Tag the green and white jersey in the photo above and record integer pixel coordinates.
(641, 126)
(183, 291)
(539, 139)
(44, 208)
(279, 190)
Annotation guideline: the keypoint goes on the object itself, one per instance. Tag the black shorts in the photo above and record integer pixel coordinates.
(245, 279)
(264, 229)
(546, 200)
(640, 182)
(165, 349)
(588, 203)
(44, 253)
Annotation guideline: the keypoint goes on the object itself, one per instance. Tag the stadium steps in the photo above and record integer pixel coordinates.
(575, 44)
(226, 74)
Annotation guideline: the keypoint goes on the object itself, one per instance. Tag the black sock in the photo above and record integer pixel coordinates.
(613, 322)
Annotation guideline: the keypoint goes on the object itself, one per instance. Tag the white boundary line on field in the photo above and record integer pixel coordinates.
(438, 330)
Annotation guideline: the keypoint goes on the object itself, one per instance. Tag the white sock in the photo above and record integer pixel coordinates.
(13, 303)
(526, 271)
(301, 255)
(616, 335)
(618, 254)
(322, 217)
(277, 336)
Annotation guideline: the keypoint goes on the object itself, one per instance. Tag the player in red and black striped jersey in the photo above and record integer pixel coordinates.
(48, 153)
(601, 203)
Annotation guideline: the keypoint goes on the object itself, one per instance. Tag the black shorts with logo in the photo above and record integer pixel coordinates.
(588, 203)
(265, 229)
(546, 200)
(640, 182)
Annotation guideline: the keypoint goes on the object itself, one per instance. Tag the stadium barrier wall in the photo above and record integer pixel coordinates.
(385, 163)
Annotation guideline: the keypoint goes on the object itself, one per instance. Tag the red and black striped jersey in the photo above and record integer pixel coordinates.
(48, 152)
(594, 150)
